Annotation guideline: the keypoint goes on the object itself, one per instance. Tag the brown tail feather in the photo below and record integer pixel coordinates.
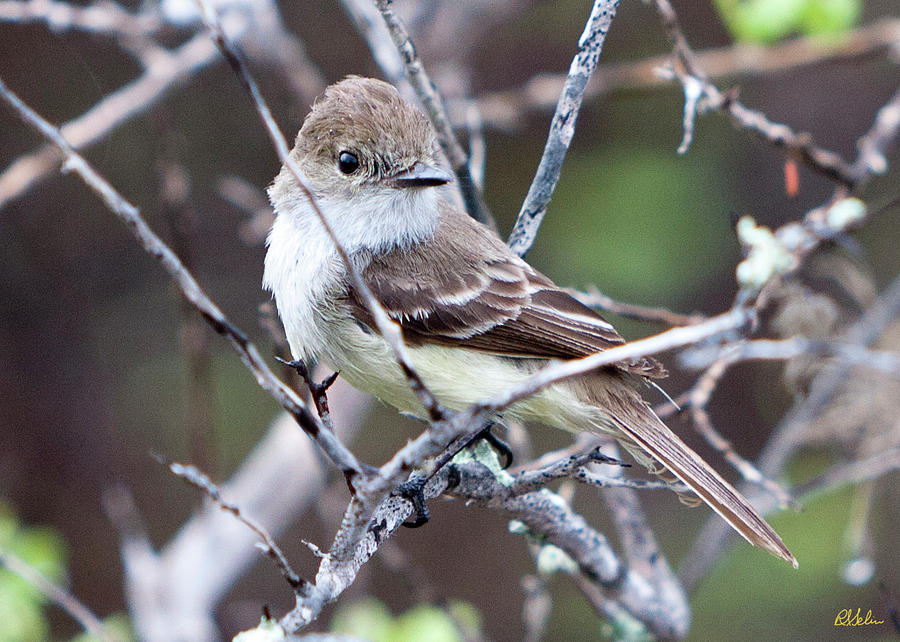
(645, 432)
(655, 439)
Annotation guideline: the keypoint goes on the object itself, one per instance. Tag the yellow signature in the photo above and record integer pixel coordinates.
(846, 617)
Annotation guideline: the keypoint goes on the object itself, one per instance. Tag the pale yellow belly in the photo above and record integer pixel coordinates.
(458, 377)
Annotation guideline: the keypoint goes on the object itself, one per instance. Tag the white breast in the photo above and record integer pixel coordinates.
(303, 270)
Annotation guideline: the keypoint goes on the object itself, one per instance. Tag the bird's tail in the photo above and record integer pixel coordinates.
(642, 433)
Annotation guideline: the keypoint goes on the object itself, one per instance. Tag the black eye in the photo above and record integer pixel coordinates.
(348, 162)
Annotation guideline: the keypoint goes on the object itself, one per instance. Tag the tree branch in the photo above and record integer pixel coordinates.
(507, 108)
(696, 85)
(562, 127)
(112, 111)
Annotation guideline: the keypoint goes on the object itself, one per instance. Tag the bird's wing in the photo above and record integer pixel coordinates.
(464, 287)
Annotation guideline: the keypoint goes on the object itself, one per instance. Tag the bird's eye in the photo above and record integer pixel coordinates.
(348, 162)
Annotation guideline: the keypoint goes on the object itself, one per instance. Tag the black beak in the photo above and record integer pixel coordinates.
(421, 175)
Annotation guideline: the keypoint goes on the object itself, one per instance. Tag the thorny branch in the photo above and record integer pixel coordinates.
(200, 481)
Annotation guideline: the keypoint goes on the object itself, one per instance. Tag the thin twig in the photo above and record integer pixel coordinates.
(852, 472)
(535, 608)
(690, 73)
(873, 144)
(371, 26)
(189, 287)
(198, 480)
(792, 347)
(593, 298)
(586, 476)
(318, 392)
(477, 145)
(532, 479)
(60, 596)
(437, 114)
(697, 399)
(507, 108)
(562, 127)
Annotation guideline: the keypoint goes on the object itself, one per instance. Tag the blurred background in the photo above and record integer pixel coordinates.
(102, 365)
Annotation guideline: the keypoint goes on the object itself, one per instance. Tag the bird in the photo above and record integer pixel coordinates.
(476, 318)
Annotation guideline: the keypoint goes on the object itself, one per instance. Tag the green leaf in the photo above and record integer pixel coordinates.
(827, 17)
(368, 619)
(761, 21)
(118, 625)
(21, 617)
(426, 623)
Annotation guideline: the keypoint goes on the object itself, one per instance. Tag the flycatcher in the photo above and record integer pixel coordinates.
(476, 318)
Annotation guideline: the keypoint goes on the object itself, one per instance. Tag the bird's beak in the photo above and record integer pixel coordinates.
(421, 175)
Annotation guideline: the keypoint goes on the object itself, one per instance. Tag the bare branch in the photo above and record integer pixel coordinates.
(506, 109)
(696, 83)
(532, 479)
(174, 594)
(590, 478)
(783, 349)
(371, 26)
(198, 480)
(873, 145)
(107, 18)
(437, 114)
(852, 472)
(789, 434)
(562, 127)
(60, 596)
(548, 516)
(167, 70)
(535, 608)
(593, 298)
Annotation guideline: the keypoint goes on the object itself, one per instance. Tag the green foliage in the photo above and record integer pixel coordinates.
(765, 21)
(637, 222)
(369, 619)
(118, 626)
(20, 603)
